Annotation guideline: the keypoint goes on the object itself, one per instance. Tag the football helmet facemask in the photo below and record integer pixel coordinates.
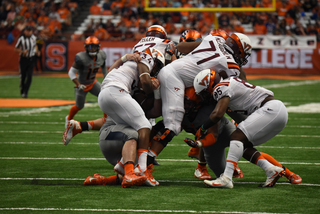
(157, 31)
(239, 45)
(159, 60)
(92, 45)
(190, 36)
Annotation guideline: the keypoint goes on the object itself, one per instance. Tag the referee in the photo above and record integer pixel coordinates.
(27, 48)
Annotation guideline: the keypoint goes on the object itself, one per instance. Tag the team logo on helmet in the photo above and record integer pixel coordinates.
(239, 45)
(190, 36)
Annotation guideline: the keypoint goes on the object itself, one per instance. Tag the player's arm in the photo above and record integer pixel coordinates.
(187, 47)
(216, 114)
(104, 69)
(128, 57)
(73, 73)
(145, 79)
(156, 111)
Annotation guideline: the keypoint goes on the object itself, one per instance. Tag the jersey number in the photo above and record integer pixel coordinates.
(212, 48)
(92, 71)
(149, 45)
(244, 83)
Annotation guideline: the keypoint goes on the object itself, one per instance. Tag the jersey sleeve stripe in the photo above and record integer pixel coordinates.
(233, 65)
(220, 84)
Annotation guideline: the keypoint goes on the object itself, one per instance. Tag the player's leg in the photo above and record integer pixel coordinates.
(291, 176)
(123, 109)
(80, 101)
(75, 127)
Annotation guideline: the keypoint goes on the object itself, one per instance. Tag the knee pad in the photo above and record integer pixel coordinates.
(164, 136)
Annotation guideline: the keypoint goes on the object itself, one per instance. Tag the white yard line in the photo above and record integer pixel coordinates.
(131, 210)
(103, 159)
(282, 85)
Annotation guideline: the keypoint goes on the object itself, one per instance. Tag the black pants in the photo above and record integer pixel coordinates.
(26, 65)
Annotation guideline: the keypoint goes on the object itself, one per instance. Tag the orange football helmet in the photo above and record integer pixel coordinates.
(219, 32)
(157, 31)
(92, 45)
(190, 36)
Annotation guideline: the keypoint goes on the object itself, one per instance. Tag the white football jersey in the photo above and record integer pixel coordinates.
(151, 42)
(245, 98)
(127, 75)
(209, 54)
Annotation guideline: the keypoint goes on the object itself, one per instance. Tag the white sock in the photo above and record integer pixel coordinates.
(234, 155)
(121, 161)
(264, 164)
(142, 161)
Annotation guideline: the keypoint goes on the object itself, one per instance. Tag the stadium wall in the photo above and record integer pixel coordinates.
(59, 56)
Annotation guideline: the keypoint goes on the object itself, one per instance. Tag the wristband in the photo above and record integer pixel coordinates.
(144, 74)
(124, 58)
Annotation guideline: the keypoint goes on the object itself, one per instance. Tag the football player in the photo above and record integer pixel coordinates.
(86, 65)
(115, 99)
(266, 118)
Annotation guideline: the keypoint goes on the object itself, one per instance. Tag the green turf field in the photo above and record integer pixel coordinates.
(38, 174)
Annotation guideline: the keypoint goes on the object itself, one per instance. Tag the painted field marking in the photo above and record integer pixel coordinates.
(103, 159)
(131, 210)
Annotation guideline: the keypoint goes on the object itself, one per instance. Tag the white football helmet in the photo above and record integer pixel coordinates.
(239, 45)
(157, 31)
(159, 60)
(205, 81)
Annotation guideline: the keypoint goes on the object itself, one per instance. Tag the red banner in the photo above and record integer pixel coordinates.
(264, 61)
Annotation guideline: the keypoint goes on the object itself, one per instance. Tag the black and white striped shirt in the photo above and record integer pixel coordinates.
(27, 43)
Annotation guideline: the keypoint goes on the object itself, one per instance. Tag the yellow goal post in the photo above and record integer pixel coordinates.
(210, 9)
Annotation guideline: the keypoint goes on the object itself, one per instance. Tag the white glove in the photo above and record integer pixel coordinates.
(82, 87)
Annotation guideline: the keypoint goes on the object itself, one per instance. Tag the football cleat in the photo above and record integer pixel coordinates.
(95, 180)
(148, 173)
(131, 179)
(67, 122)
(97, 175)
(221, 182)
(194, 153)
(201, 172)
(294, 178)
(237, 173)
(273, 174)
(72, 129)
(119, 168)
